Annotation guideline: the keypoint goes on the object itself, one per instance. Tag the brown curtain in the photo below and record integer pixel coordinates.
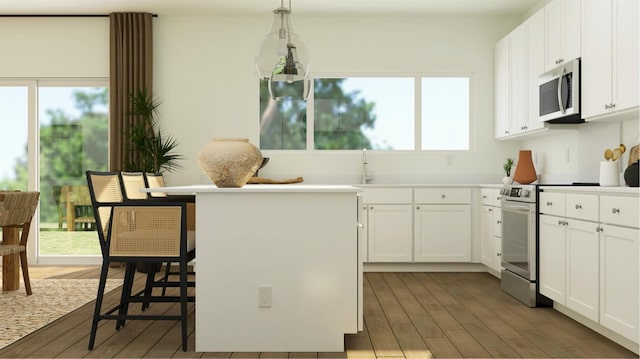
(131, 69)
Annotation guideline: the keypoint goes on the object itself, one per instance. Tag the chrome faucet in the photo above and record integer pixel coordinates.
(366, 177)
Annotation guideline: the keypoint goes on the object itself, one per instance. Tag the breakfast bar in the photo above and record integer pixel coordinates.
(278, 268)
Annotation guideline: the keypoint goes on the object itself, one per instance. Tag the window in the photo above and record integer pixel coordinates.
(377, 113)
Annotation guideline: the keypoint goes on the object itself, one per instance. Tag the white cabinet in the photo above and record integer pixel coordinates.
(552, 254)
(388, 224)
(389, 233)
(491, 230)
(535, 68)
(569, 249)
(562, 32)
(518, 79)
(589, 257)
(502, 89)
(442, 225)
(442, 233)
(619, 280)
(609, 56)
(582, 270)
(519, 61)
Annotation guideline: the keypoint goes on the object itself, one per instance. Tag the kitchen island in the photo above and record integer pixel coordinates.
(278, 267)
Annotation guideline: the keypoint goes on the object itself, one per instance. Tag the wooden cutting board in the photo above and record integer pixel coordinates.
(634, 154)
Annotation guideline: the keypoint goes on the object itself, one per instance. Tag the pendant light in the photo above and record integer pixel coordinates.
(282, 56)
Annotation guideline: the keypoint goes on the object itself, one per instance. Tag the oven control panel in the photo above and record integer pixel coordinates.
(518, 192)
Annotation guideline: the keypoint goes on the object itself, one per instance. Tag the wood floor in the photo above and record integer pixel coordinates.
(407, 315)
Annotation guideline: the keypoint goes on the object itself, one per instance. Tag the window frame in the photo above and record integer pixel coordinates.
(417, 77)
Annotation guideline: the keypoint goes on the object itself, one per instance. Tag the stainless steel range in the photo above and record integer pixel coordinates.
(520, 244)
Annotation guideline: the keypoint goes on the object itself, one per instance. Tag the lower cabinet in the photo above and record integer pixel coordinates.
(405, 224)
(619, 269)
(582, 269)
(591, 265)
(552, 254)
(442, 233)
(569, 271)
(490, 237)
(390, 234)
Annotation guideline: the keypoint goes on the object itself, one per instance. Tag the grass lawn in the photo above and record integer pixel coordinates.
(61, 242)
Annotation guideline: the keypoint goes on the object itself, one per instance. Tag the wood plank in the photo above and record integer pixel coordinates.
(400, 308)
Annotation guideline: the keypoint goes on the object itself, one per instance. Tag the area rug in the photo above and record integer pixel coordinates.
(51, 299)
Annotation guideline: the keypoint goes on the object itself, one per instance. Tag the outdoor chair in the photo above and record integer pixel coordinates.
(135, 231)
(16, 212)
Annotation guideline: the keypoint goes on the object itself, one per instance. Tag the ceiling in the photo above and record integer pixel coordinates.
(260, 7)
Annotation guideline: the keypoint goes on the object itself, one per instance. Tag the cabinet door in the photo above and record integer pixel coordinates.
(571, 22)
(619, 280)
(582, 268)
(552, 257)
(363, 215)
(442, 233)
(487, 251)
(389, 233)
(497, 258)
(625, 54)
(518, 78)
(596, 57)
(502, 100)
(553, 34)
(535, 68)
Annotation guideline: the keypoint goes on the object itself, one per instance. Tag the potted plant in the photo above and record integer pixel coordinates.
(507, 170)
(152, 151)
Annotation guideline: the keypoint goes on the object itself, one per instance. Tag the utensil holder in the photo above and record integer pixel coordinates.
(609, 176)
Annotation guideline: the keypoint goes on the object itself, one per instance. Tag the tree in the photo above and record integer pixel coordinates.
(339, 118)
(68, 147)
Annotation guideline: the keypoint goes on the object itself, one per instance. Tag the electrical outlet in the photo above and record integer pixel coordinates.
(264, 296)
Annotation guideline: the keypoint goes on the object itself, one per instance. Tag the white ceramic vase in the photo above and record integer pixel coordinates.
(507, 180)
(229, 162)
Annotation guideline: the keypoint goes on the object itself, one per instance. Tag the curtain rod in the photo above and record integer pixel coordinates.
(60, 15)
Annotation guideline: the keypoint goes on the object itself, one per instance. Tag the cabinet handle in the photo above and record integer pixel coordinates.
(499, 254)
(549, 203)
(490, 209)
(443, 196)
(364, 207)
(559, 222)
(613, 105)
(371, 207)
(615, 210)
(499, 222)
(599, 229)
(578, 206)
(417, 207)
(484, 197)
(506, 132)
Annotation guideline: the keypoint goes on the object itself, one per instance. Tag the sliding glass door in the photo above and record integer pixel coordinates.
(64, 127)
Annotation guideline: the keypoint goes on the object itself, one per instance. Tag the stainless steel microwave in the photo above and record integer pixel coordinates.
(559, 91)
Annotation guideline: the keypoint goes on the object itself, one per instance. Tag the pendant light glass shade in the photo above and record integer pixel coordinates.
(282, 56)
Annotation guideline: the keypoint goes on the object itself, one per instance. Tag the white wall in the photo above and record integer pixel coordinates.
(205, 76)
(575, 155)
(54, 47)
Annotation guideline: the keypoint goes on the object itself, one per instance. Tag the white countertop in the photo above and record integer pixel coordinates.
(256, 188)
(592, 189)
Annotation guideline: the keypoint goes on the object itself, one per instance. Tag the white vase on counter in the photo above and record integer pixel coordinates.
(507, 180)
(609, 176)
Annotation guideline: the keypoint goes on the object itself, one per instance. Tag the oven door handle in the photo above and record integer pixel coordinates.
(517, 208)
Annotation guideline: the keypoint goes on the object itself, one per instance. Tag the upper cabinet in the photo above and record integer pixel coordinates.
(519, 61)
(562, 32)
(609, 56)
(502, 90)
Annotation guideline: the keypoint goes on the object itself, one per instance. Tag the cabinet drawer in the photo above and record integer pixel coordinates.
(552, 203)
(582, 206)
(442, 195)
(387, 195)
(620, 210)
(490, 196)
